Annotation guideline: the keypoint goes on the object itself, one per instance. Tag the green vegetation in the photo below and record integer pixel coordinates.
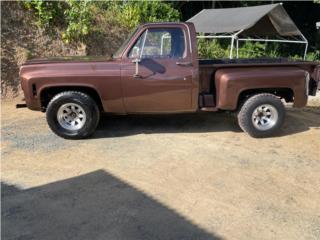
(77, 17)
(210, 48)
(132, 13)
(83, 21)
(46, 11)
(213, 48)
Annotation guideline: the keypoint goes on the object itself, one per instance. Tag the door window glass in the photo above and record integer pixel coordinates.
(159, 43)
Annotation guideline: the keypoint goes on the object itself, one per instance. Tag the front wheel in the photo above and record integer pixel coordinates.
(72, 115)
(261, 115)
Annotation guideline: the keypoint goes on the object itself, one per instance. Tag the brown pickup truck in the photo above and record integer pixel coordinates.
(157, 70)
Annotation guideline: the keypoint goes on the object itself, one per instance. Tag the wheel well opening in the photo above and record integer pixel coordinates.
(48, 93)
(284, 93)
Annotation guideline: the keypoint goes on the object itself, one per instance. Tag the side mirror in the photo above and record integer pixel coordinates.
(136, 61)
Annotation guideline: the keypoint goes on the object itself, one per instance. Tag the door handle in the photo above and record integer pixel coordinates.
(137, 76)
(184, 64)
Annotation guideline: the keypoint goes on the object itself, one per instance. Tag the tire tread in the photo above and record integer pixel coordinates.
(87, 100)
(244, 119)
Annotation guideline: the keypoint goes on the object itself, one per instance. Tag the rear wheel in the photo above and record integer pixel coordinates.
(261, 115)
(72, 115)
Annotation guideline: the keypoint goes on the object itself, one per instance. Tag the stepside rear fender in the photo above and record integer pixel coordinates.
(231, 82)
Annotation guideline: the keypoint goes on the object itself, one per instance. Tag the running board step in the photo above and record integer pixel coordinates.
(209, 109)
(206, 101)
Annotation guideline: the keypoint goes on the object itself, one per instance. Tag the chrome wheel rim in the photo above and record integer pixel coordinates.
(71, 116)
(264, 117)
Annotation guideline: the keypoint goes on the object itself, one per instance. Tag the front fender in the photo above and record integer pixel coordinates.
(230, 82)
(103, 77)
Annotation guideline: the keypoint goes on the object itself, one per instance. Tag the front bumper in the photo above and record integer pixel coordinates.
(21, 105)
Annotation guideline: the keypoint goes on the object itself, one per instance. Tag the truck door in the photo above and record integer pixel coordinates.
(156, 71)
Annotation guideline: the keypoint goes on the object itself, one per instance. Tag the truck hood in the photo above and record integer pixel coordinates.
(69, 59)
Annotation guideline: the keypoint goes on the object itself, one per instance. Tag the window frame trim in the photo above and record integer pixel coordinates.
(187, 51)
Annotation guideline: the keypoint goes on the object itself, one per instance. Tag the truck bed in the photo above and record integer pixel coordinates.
(207, 68)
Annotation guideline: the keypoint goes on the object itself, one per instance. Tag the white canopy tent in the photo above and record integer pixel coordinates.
(265, 23)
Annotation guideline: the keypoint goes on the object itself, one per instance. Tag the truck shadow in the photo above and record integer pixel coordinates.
(119, 126)
(301, 120)
(96, 205)
(296, 121)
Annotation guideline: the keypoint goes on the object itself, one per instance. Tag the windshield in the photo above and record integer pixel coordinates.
(124, 45)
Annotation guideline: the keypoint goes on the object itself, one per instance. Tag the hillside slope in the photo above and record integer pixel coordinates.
(22, 39)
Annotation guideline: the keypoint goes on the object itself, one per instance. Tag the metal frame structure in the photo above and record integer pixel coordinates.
(235, 37)
(164, 36)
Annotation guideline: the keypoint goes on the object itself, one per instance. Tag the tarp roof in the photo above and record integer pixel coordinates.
(266, 20)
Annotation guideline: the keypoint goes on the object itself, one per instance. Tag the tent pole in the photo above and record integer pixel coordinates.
(235, 36)
(237, 48)
(270, 40)
(231, 49)
(161, 47)
(305, 51)
(216, 36)
(306, 48)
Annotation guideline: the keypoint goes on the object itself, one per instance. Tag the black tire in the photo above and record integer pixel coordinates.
(87, 104)
(247, 109)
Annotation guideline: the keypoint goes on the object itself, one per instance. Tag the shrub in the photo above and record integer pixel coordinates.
(77, 17)
(46, 11)
(210, 48)
(132, 13)
(213, 48)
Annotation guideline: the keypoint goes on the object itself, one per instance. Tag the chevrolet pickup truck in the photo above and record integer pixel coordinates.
(157, 70)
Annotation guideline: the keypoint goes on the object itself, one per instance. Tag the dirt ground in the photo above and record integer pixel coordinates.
(161, 177)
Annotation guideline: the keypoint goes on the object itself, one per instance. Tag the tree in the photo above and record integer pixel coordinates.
(77, 16)
(132, 13)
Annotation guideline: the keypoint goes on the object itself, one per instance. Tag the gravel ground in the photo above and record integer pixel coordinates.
(161, 177)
